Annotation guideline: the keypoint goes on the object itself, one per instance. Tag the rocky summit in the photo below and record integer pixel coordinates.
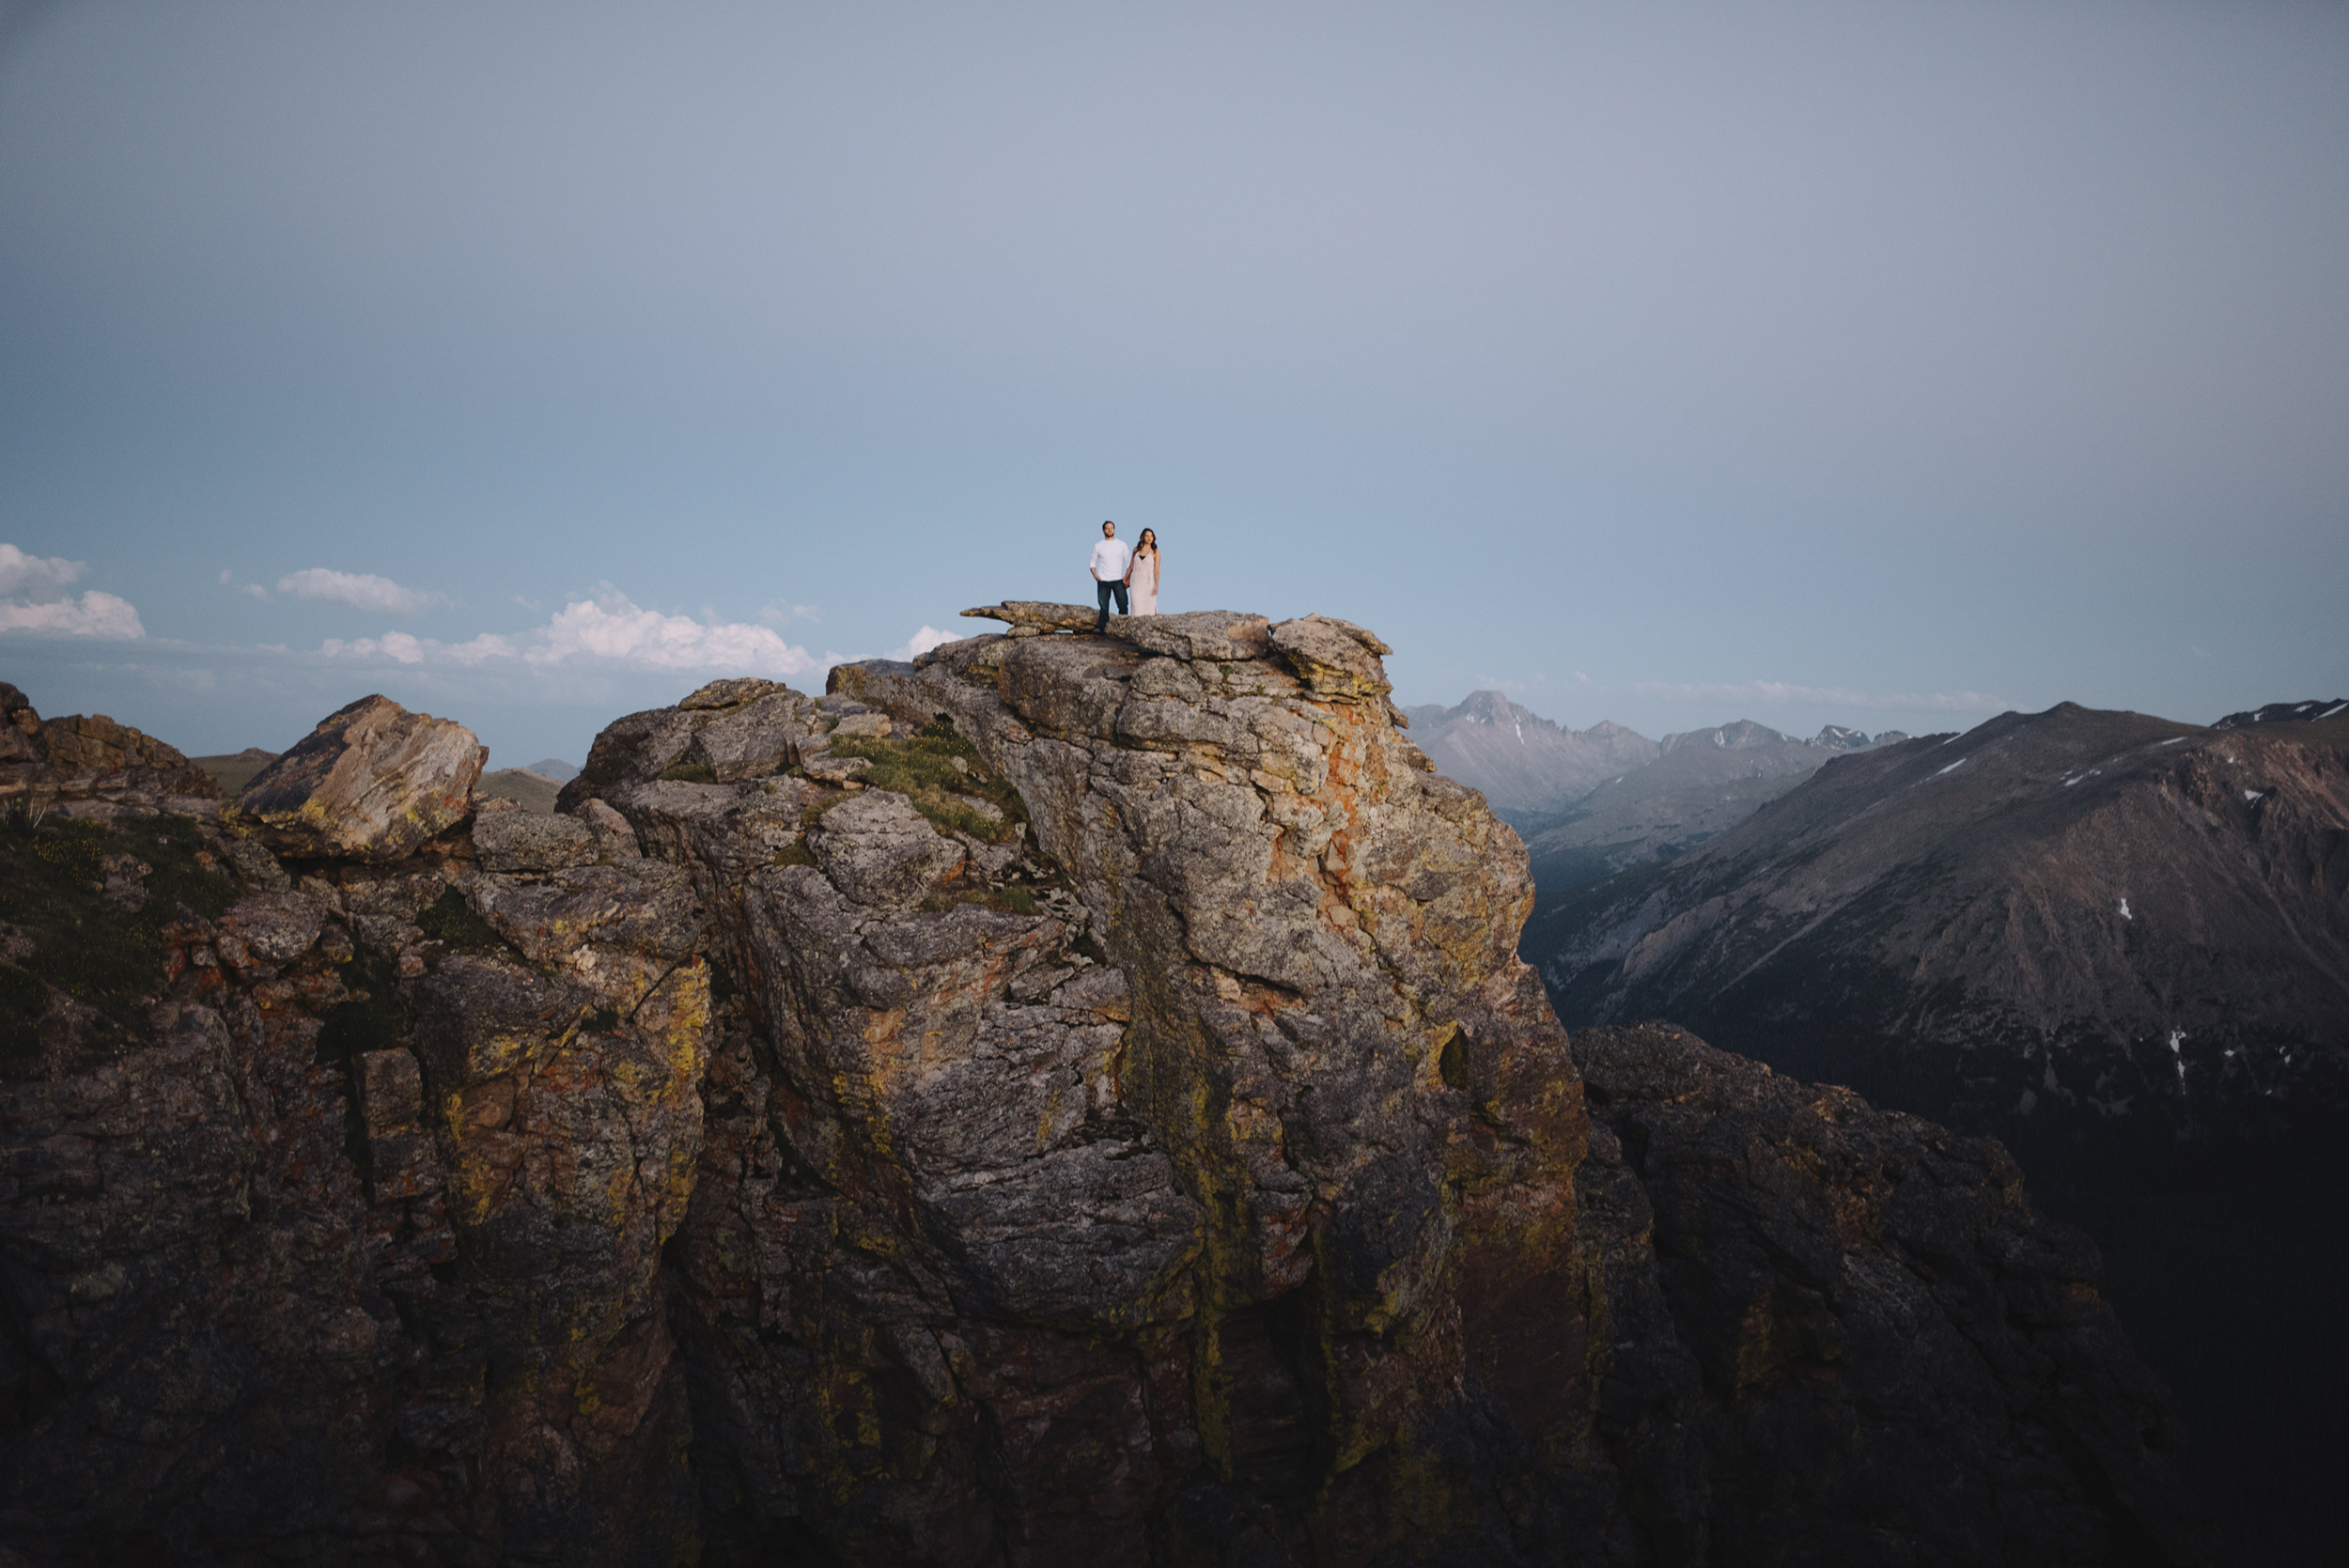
(1066, 1099)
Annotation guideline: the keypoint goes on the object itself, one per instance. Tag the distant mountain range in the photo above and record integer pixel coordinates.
(1589, 803)
(2064, 915)
(1526, 765)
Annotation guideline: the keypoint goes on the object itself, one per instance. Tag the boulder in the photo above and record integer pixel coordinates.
(878, 850)
(1217, 634)
(612, 832)
(373, 783)
(524, 841)
(755, 739)
(1336, 659)
(638, 746)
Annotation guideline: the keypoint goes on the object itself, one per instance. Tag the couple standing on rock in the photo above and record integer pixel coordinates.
(1116, 568)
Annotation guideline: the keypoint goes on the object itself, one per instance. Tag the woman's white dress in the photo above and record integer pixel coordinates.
(1143, 589)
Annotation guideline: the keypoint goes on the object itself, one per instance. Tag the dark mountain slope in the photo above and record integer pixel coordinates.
(2285, 713)
(2075, 916)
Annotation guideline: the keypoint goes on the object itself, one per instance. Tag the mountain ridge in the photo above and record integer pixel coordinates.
(1956, 859)
(1589, 803)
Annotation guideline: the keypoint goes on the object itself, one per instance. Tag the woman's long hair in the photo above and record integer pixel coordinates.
(1149, 539)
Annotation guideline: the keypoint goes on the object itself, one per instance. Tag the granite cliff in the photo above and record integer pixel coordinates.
(1066, 1099)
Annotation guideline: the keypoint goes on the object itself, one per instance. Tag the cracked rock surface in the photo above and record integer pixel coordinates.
(1068, 1098)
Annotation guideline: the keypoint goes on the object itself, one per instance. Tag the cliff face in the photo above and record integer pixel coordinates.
(1070, 1097)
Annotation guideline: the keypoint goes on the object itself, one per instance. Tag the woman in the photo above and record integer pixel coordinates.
(1142, 574)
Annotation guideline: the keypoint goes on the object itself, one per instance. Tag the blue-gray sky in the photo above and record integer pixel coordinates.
(1876, 363)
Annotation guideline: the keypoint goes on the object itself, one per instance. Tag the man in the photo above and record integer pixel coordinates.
(1110, 560)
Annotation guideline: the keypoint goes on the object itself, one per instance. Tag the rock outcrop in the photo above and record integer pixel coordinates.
(1064, 1098)
(88, 762)
(374, 782)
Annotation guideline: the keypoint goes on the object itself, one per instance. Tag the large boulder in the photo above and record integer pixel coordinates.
(373, 783)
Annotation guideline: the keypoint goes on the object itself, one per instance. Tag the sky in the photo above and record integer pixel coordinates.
(1887, 365)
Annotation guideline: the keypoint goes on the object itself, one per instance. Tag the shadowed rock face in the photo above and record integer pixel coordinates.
(1110, 1122)
(1835, 1302)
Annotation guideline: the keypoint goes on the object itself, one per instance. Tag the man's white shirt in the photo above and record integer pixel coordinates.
(1109, 560)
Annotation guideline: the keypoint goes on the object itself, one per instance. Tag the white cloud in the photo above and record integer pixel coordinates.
(97, 615)
(921, 642)
(612, 628)
(1840, 696)
(33, 598)
(781, 614)
(605, 632)
(360, 590)
(397, 646)
(24, 576)
(487, 646)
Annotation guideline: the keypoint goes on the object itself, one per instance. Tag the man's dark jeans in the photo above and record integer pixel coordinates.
(1107, 591)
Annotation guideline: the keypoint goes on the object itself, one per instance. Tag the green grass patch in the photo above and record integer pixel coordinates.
(932, 767)
(52, 878)
(689, 772)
